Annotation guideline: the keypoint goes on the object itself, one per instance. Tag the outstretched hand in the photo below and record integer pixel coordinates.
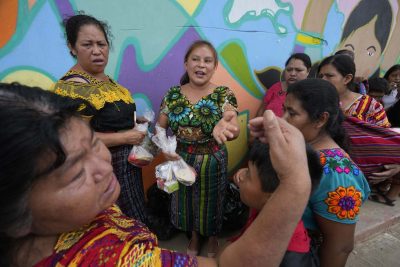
(227, 128)
(390, 171)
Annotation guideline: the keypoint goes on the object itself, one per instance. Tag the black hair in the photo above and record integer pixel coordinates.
(364, 12)
(74, 23)
(300, 56)
(185, 77)
(390, 70)
(316, 97)
(259, 156)
(31, 119)
(343, 64)
(377, 84)
(345, 52)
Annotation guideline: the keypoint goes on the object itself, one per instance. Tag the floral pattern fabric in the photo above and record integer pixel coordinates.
(196, 121)
(113, 239)
(341, 192)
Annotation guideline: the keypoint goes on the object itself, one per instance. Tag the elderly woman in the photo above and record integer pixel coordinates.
(58, 191)
(112, 111)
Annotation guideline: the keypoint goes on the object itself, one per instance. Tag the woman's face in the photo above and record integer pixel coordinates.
(201, 65)
(394, 79)
(366, 48)
(91, 49)
(295, 71)
(73, 194)
(329, 73)
(298, 117)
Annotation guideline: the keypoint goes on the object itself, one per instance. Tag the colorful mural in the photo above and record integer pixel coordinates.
(253, 39)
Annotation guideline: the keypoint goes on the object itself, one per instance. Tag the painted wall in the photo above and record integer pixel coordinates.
(253, 39)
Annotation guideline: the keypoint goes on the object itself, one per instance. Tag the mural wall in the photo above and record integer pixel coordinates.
(253, 38)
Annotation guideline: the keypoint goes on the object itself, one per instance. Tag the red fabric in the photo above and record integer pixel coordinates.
(275, 98)
(300, 241)
(372, 146)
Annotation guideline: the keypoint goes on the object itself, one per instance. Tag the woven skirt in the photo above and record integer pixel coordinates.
(131, 198)
(200, 207)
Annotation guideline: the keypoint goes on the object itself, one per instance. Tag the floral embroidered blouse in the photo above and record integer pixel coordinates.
(341, 192)
(196, 121)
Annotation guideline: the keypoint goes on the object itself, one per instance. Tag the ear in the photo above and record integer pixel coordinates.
(348, 78)
(323, 119)
(71, 49)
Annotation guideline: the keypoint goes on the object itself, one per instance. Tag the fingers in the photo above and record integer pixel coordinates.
(272, 130)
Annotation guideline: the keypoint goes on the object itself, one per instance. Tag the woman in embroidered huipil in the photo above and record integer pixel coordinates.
(312, 106)
(203, 116)
(112, 114)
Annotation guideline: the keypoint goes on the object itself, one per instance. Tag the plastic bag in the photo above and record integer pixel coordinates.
(169, 173)
(141, 155)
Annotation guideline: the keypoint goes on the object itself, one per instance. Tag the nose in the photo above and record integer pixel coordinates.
(101, 165)
(96, 49)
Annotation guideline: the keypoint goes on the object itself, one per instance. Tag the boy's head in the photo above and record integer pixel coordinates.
(378, 87)
(259, 180)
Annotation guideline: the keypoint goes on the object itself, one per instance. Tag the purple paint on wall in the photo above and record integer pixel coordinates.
(155, 83)
(65, 9)
(298, 49)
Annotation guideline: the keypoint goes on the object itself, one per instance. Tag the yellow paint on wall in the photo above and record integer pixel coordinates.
(189, 5)
(237, 148)
(30, 78)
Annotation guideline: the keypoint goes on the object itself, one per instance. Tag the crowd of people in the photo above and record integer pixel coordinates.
(69, 197)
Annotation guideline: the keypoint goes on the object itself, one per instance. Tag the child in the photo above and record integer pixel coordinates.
(259, 181)
(378, 87)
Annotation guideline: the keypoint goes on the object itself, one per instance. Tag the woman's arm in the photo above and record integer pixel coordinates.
(128, 137)
(338, 242)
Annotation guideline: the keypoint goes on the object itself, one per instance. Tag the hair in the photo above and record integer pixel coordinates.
(343, 64)
(31, 119)
(390, 70)
(318, 96)
(345, 52)
(377, 84)
(196, 44)
(300, 56)
(259, 156)
(74, 24)
(364, 12)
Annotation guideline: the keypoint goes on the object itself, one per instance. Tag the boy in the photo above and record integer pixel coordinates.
(259, 181)
(378, 87)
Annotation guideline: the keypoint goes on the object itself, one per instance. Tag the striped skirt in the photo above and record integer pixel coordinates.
(200, 207)
(131, 198)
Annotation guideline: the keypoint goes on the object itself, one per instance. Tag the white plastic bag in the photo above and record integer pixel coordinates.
(141, 155)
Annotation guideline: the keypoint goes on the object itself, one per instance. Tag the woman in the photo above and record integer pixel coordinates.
(340, 71)
(58, 188)
(312, 106)
(202, 115)
(113, 115)
(297, 68)
(390, 101)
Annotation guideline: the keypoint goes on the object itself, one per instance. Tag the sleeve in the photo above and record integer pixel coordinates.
(377, 115)
(173, 258)
(340, 195)
(230, 103)
(164, 106)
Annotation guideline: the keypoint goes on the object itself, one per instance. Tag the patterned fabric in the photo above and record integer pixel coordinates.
(275, 98)
(131, 198)
(341, 192)
(114, 110)
(372, 146)
(113, 239)
(367, 109)
(199, 207)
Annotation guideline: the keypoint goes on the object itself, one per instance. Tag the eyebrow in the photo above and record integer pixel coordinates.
(373, 47)
(347, 45)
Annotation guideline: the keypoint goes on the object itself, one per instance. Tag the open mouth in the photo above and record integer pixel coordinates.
(200, 73)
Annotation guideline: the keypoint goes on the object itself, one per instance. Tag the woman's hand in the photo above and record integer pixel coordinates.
(227, 128)
(133, 137)
(390, 171)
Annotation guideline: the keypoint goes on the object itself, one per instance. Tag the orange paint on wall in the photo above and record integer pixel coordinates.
(8, 20)
(31, 3)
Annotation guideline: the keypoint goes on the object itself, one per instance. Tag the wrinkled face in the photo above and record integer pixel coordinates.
(366, 48)
(72, 195)
(330, 74)
(201, 65)
(298, 117)
(91, 49)
(394, 79)
(295, 71)
(249, 183)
